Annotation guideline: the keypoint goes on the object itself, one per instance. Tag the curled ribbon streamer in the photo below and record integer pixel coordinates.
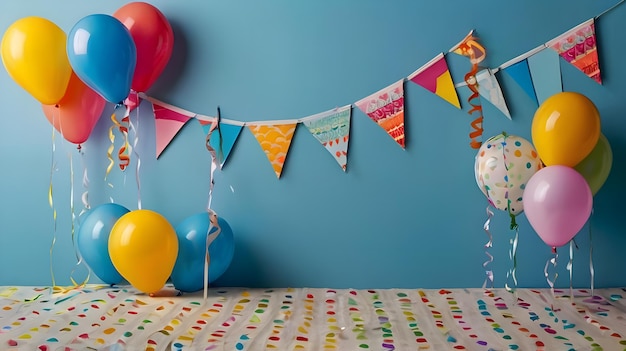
(123, 126)
(85, 181)
(552, 261)
(138, 163)
(591, 270)
(79, 258)
(476, 53)
(51, 203)
(512, 273)
(570, 268)
(213, 223)
(488, 245)
(110, 150)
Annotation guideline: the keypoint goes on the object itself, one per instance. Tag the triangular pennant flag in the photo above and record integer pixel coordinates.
(578, 46)
(275, 141)
(471, 48)
(521, 75)
(435, 77)
(386, 107)
(167, 125)
(222, 140)
(546, 74)
(332, 129)
(489, 88)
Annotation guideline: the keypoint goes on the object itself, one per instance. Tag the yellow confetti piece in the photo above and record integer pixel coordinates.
(24, 336)
(109, 331)
(169, 328)
(186, 338)
(302, 330)
(100, 341)
(332, 320)
(6, 308)
(150, 348)
(34, 329)
(175, 322)
(8, 292)
(245, 293)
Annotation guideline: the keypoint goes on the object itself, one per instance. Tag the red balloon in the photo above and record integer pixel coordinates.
(154, 40)
(77, 113)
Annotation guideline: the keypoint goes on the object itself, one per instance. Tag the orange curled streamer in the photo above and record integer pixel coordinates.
(476, 53)
(123, 152)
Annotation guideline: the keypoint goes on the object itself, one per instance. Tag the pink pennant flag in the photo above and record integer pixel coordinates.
(275, 141)
(386, 107)
(578, 46)
(167, 124)
(435, 77)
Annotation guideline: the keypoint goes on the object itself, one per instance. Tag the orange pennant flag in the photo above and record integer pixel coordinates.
(275, 141)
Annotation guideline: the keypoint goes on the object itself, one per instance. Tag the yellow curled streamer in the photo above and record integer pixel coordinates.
(110, 149)
(123, 152)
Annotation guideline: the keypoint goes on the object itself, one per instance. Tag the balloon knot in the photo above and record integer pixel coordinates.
(79, 147)
(554, 249)
(514, 224)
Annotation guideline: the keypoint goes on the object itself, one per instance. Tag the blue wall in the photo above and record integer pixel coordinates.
(397, 218)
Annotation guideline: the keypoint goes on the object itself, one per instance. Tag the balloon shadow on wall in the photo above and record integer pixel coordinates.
(175, 68)
(246, 268)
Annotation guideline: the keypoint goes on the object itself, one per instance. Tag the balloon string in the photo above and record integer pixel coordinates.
(135, 130)
(214, 125)
(469, 48)
(512, 273)
(79, 258)
(488, 245)
(51, 203)
(551, 261)
(591, 270)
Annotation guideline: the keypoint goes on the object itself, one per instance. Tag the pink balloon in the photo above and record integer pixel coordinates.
(557, 203)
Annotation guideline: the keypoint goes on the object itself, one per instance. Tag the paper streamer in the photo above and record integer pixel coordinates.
(476, 53)
(512, 273)
(591, 270)
(135, 130)
(488, 245)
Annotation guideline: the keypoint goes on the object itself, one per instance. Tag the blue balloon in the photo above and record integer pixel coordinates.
(188, 272)
(103, 54)
(92, 239)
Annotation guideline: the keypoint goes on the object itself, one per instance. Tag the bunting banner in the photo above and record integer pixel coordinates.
(578, 46)
(545, 71)
(489, 88)
(521, 75)
(275, 141)
(223, 139)
(386, 107)
(435, 77)
(332, 129)
(476, 53)
(168, 123)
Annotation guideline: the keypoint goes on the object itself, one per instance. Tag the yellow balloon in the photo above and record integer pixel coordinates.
(143, 247)
(565, 129)
(34, 54)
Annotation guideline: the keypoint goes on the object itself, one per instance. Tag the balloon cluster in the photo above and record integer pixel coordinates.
(553, 184)
(143, 248)
(101, 60)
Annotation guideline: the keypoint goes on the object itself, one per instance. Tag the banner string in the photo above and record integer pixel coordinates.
(488, 245)
(551, 261)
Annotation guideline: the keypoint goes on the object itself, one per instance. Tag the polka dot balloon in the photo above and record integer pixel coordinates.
(503, 166)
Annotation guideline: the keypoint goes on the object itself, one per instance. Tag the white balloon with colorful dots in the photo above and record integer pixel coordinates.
(503, 166)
